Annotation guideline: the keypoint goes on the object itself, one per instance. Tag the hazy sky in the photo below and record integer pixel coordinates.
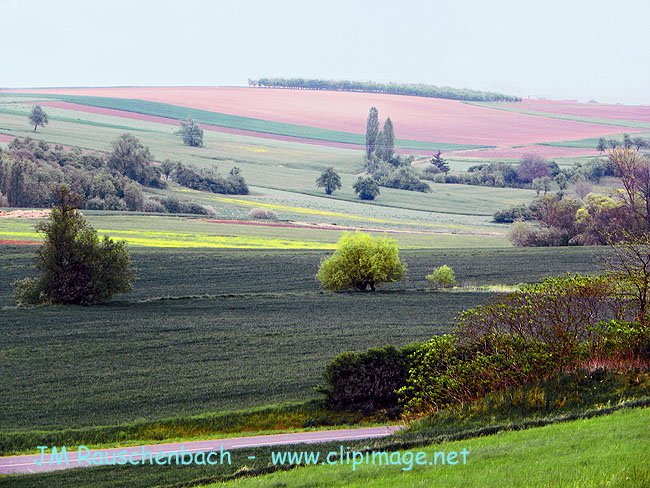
(570, 49)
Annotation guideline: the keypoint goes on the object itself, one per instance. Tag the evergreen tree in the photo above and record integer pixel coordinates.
(372, 130)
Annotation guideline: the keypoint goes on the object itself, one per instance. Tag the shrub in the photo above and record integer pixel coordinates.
(561, 312)
(171, 204)
(442, 277)
(154, 206)
(367, 188)
(262, 213)
(366, 381)
(444, 372)
(516, 212)
(361, 261)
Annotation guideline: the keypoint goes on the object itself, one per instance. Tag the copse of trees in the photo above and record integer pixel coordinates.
(75, 265)
(208, 180)
(31, 171)
(366, 188)
(132, 159)
(594, 220)
(411, 89)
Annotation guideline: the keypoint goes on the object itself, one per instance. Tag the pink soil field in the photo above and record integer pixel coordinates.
(5, 138)
(24, 214)
(163, 120)
(415, 118)
(518, 152)
(639, 113)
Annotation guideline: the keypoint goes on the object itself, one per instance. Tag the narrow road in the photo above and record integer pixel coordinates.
(75, 458)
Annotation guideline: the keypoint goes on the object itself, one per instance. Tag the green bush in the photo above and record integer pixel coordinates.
(367, 188)
(445, 372)
(361, 261)
(366, 381)
(442, 277)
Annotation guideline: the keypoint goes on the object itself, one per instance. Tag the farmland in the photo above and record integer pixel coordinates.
(226, 314)
(417, 119)
(207, 331)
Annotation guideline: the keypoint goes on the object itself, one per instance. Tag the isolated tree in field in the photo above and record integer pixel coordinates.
(361, 261)
(602, 145)
(75, 265)
(438, 161)
(367, 188)
(191, 133)
(132, 159)
(38, 117)
(372, 130)
(442, 277)
(329, 179)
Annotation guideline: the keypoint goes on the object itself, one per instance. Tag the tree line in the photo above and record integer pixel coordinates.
(31, 172)
(411, 89)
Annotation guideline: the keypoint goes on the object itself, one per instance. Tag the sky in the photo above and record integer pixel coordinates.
(570, 49)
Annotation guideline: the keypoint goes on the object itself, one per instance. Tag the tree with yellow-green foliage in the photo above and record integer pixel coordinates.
(361, 261)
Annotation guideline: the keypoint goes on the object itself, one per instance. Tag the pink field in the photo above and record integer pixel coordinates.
(518, 152)
(163, 120)
(639, 113)
(5, 138)
(416, 118)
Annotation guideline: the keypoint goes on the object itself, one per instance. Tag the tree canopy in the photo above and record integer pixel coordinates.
(191, 133)
(361, 261)
(367, 188)
(330, 180)
(132, 159)
(38, 117)
(75, 265)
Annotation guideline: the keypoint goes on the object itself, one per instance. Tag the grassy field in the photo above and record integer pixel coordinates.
(207, 331)
(608, 451)
(269, 166)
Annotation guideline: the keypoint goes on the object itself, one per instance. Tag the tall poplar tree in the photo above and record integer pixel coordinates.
(372, 129)
(388, 140)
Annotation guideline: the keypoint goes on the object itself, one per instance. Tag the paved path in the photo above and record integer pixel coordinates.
(30, 464)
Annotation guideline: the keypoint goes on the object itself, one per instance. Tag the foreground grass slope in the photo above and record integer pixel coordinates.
(608, 451)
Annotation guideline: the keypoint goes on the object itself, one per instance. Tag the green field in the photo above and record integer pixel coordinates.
(608, 451)
(207, 331)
